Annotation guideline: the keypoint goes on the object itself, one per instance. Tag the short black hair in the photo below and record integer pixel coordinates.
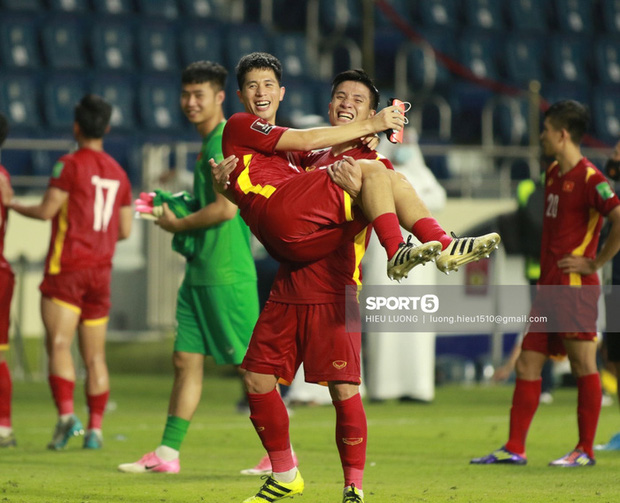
(258, 61)
(200, 72)
(570, 115)
(358, 75)
(4, 129)
(93, 114)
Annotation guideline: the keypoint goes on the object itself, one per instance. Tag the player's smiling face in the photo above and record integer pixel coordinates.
(261, 94)
(200, 102)
(351, 102)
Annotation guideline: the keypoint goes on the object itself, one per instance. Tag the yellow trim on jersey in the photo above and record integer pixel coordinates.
(4, 347)
(245, 184)
(348, 207)
(95, 323)
(359, 247)
(589, 172)
(62, 303)
(61, 234)
(575, 278)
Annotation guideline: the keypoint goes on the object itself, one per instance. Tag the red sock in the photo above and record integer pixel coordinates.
(351, 439)
(388, 231)
(96, 407)
(589, 396)
(62, 393)
(270, 419)
(6, 392)
(524, 404)
(428, 229)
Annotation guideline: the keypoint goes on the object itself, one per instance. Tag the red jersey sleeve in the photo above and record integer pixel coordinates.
(63, 174)
(247, 131)
(600, 194)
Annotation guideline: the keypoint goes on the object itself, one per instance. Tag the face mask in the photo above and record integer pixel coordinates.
(612, 168)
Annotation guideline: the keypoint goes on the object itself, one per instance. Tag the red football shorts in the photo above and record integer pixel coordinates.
(288, 334)
(86, 290)
(307, 218)
(7, 283)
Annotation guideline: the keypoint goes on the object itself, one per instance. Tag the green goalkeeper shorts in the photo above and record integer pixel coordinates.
(216, 320)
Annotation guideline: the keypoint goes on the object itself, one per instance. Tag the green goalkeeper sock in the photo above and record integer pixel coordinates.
(174, 432)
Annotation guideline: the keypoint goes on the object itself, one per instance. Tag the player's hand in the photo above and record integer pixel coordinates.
(6, 191)
(390, 117)
(574, 264)
(168, 220)
(220, 173)
(347, 174)
(371, 141)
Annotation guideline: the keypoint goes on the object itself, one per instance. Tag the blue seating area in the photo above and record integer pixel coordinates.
(131, 51)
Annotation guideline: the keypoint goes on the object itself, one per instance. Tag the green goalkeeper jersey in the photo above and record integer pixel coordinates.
(222, 253)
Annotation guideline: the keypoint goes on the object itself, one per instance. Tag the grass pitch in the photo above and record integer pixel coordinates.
(416, 453)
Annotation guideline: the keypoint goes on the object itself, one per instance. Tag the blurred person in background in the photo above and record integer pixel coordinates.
(611, 343)
(88, 201)
(577, 197)
(217, 303)
(7, 283)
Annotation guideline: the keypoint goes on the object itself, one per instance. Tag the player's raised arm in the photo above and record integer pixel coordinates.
(321, 137)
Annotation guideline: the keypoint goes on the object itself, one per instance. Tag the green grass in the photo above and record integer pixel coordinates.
(416, 453)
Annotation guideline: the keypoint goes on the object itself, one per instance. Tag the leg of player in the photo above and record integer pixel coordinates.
(351, 437)
(582, 356)
(7, 437)
(61, 320)
(415, 217)
(525, 400)
(270, 419)
(184, 399)
(91, 334)
(377, 202)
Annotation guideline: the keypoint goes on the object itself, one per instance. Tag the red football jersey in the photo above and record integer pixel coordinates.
(324, 281)
(4, 213)
(260, 170)
(575, 204)
(85, 230)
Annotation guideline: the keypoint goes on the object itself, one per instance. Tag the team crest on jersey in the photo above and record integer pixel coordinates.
(604, 190)
(339, 364)
(568, 186)
(57, 169)
(261, 126)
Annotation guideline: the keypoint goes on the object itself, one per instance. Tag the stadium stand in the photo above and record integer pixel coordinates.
(607, 60)
(159, 103)
(566, 58)
(158, 8)
(18, 41)
(23, 5)
(526, 16)
(483, 14)
(69, 5)
(113, 7)
(157, 46)
(201, 40)
(112, 45)
(243, 38)
(119, 91)
(62, 38)
(18, 100)
(522, 59)
(573, 16)
(609, 16)
(438, 13)
(60, 94)
(290, 48)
